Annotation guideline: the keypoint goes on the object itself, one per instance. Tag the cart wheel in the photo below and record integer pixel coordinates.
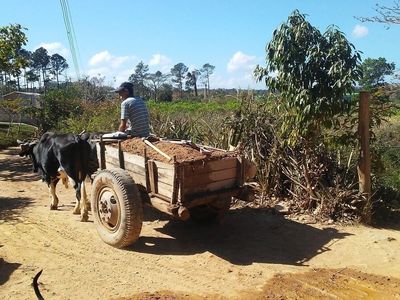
(214, 211)
(116, 207)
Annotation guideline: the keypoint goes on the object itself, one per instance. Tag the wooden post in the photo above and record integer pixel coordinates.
(177, 176)
(146, 170)
(102, 154)
(121, 156)
(153, 176)
(364, 165)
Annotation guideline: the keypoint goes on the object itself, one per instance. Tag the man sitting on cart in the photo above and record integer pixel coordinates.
(134, 113)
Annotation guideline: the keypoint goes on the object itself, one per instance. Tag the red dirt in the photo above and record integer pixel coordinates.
(251, 254)
(183, 152)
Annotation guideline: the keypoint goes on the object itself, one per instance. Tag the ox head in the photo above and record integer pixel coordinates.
(26, 148)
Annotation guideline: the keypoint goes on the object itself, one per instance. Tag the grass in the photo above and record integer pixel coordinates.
(9, 136)
(193, 107)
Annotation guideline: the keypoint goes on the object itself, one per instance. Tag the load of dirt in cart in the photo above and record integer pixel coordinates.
(184, 151)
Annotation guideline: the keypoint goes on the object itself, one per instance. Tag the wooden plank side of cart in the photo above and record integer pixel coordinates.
(135, 166)
(210, 176)
(195, 178)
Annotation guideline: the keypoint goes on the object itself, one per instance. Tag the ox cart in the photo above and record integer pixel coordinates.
(196, 189)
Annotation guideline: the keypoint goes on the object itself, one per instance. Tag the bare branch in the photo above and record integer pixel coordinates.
(385, 14)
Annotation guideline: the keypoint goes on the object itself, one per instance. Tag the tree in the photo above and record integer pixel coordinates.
(206, 72)
(312, 72)
(385, 14)
(191, 80)
(40, 62)
(12, 107)
(374, 72)
(58, 65)
(156, 80)
(12, 38)
(178, 72)
(139, 78)
(91, 89)
(27, 56)
(55, 107)
(31, 77)
(165, 93)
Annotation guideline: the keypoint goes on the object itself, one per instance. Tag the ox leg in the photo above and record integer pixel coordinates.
(53, 196)
(77, 186)
(84, 203)
(81, 203)
(77, 208)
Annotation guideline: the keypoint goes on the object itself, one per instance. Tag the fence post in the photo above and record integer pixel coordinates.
(364, 163)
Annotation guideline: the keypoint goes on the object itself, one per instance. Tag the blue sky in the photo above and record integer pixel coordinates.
(114, 36)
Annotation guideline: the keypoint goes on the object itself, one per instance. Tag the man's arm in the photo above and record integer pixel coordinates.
(122, 125)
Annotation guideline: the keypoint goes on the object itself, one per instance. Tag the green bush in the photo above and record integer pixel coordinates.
(10, 134)
(387, 157)
(94, 117)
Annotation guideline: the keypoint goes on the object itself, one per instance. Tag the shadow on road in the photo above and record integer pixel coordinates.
(246, 236)
(6, 269)
(16, 168)
(10, 207)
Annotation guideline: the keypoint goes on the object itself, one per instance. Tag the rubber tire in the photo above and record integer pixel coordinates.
(212, 212)
(128, 229)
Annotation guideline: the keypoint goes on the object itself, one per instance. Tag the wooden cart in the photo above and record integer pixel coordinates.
(201, 190)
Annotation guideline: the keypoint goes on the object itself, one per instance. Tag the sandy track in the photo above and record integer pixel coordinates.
(251, 254)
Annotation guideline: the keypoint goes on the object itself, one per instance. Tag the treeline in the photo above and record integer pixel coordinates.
(21, 69)
(179, 83)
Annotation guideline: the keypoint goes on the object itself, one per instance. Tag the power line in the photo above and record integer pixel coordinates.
(73, 45)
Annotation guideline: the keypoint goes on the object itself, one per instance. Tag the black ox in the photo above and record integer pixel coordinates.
(68, 157)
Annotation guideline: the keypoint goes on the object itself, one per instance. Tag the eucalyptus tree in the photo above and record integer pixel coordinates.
(31, 77)
(40, 62)
(191, 81)
(156, 80)
(139, 78)
(206, 71)
(58, 64)
(312, 72)
(27, 55)
(178, 73)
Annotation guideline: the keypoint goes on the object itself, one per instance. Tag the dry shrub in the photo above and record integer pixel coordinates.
(309, 177)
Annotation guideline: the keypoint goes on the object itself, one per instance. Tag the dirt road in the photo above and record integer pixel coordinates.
(252, 254)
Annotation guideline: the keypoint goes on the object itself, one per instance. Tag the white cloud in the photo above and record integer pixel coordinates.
(243, 81)
(115, 69)
(120, 60)
(159, 59)
(160, 62)
(240, 62)
(99, 58)
(53, 48)
(105, 57)
(360, 31)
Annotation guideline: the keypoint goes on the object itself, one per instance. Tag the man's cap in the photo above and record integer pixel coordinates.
(127, 86)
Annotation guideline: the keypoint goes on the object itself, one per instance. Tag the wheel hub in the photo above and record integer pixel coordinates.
(108, 209)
